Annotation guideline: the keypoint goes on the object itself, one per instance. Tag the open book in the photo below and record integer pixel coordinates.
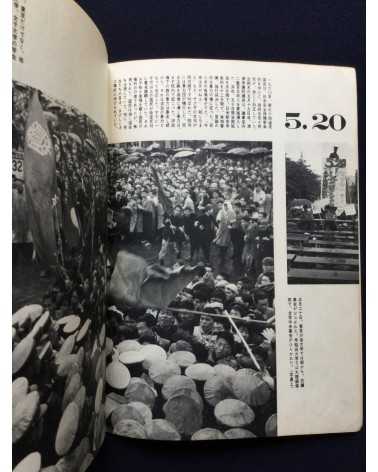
(185, 246)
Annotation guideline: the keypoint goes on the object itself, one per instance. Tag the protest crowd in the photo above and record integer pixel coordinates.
(79, 148)
(58, 326)
(218, 205)
(211, 211)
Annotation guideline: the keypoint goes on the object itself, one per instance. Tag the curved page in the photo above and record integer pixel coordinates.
(59, 234)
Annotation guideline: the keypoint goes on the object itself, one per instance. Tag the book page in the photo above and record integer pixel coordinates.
(234, 296)
(59, 195)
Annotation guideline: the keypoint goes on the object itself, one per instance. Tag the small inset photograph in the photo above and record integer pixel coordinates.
(322, 213)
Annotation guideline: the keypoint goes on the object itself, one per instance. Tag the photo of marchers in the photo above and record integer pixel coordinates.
(59, 190)
(322, 214)
(191, 296)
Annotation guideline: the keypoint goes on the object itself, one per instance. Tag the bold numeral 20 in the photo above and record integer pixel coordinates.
(335, 122)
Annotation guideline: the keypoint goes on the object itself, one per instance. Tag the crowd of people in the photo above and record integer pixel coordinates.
(200, 324)
(222, 325)
(221, 207)
(213, 212)
(80, 150)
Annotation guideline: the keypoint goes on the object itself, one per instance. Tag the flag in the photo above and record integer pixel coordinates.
(164, 200)
(40, 184)
(136, 283)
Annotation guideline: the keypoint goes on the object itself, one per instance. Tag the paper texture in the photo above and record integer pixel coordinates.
(64, 55)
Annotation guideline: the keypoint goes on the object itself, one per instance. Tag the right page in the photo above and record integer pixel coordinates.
(234, 301)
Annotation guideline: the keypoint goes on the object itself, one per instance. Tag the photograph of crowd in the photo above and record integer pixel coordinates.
(191, 294)
(59, 196)
(322, 214)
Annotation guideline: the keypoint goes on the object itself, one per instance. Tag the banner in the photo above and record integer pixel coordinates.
(40, 184)
(135, 283)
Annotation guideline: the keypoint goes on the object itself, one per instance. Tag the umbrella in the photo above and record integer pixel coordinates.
(130, 429)
(158, 154)
(238, 151)
(153, 146)
(183, 358)
(117, 375)
(183, 149)
(133, 158)
(136, 149)
(299, 202)
(250, 387)
(215, 147)
(206, 434)
(160, 371)
(233, 413)
(177, 383)
(129, 345)
(238, 433)
(152, 353)
(162, 430)
(140, 391)
(140, 154)
(209, 147)
(183, 154)
(259, 150)
(184, 413)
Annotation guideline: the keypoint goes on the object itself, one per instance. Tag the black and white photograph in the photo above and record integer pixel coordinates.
(191, 293)
(322, 214)
(59, 189)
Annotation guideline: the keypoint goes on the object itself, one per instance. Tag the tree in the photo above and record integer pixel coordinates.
(301, 181)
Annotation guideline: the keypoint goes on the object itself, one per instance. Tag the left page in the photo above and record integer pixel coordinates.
(59, 142)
